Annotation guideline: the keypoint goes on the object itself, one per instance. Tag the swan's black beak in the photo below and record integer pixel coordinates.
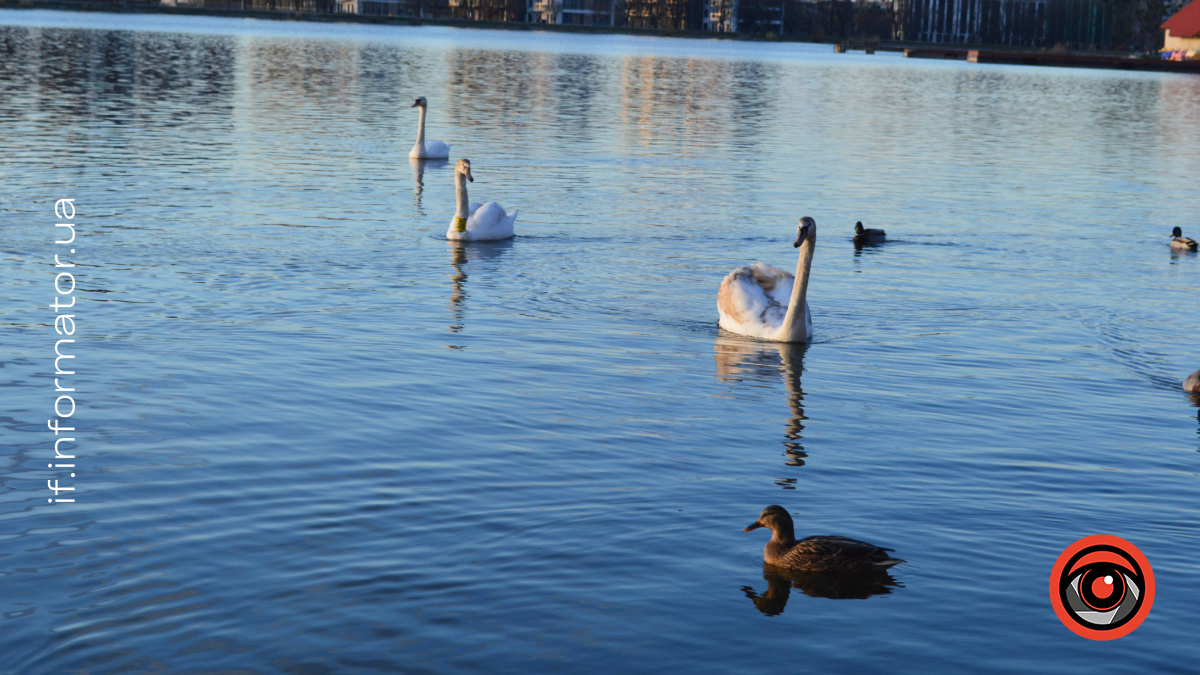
(756, 524)
(415, 104)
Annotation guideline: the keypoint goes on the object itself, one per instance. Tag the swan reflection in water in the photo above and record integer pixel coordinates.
(757, 363)
(780, 583)
(419, 166)
(463, 254)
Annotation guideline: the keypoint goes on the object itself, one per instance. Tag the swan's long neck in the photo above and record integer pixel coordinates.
(795, 328)
(421, 127)
(460, 191)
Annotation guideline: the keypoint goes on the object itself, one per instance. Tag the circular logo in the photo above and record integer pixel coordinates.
(1102, 587)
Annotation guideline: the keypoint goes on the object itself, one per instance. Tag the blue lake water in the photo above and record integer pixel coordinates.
(315, 437)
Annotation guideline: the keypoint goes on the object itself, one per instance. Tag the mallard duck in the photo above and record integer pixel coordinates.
(1181, 242)
(1192, 383)
(817, 554)
(865, 236)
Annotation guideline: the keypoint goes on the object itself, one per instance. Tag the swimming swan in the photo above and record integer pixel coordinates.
(866, 236)
(473, 222)
(763, 301)
(1178, 241)
(427, 149)
(817, 554)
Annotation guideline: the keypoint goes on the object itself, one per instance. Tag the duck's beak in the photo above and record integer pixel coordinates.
(753, 526)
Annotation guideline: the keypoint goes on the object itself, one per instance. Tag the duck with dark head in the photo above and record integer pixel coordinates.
(863, 235)
(825, 553)
(1180, 242)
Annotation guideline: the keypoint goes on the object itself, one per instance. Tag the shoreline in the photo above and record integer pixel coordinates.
(320, 17)
(970, 53)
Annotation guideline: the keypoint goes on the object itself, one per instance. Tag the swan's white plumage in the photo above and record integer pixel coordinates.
(486, 222)
(430, 150)
(424, 149)
(477, 222)
(753, 300)
(765, 302)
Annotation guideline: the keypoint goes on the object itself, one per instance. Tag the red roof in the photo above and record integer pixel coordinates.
(1186, 22)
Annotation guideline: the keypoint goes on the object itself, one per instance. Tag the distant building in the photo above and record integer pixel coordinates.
(1182, 34)
(744, 16)
(1067, 24)
(667, 15)
(720, 16)
(407, 8)
(487, 10)
(570, 12)
(759, 16)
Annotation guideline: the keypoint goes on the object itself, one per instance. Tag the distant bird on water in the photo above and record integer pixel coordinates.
(817, 554)
(426, 149)
(1192, 383)
(863, 235)
(1180, 242)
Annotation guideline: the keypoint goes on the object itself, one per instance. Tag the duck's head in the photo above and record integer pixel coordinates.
(1177, 232)
(464, 167)
(420, 103)
(774, 518)
(858, 228)
(807, 229)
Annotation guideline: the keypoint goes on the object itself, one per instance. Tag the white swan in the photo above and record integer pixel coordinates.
(473, 222)
(427, 149)
(762, 301)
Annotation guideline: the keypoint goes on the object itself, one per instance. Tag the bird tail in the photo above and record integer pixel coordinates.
(890, 562)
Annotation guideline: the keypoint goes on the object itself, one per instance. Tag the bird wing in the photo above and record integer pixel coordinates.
(832, 545)
(755, 295)
(437, 150)
(490, 219)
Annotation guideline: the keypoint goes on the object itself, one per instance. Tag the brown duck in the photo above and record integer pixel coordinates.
(863, 235)
(817, 554)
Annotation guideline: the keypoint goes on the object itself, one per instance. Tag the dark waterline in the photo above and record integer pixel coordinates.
(317, 438)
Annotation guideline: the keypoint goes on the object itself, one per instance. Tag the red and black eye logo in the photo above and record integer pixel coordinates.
(1102, 587)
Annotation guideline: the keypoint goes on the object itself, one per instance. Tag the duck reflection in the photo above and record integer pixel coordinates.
(740, 360)
(780, 583)
(419, 167)
(867, 247)
(463, 254)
